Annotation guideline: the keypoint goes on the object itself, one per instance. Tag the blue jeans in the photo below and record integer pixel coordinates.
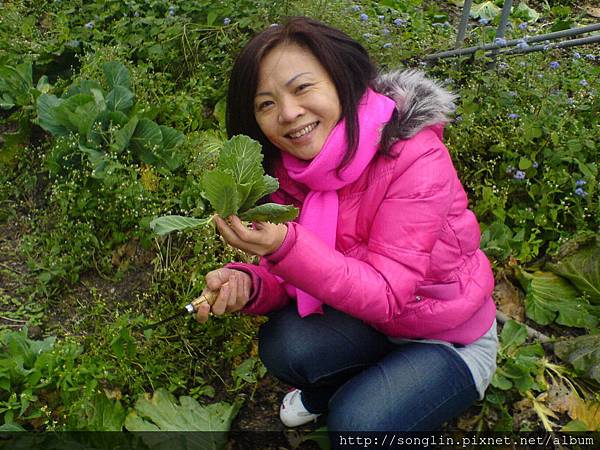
(359, 378)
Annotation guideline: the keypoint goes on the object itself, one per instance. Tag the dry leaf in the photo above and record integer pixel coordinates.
(586, 411)
(124, 253)
(523, 412)
(468, 423)
(113, 394)
(593, 11)
(509, 299)
(544, 413)
(560, 398)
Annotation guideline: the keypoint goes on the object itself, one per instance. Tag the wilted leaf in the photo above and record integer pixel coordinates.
(550, 297)
(161, 412)
(582, 268)
(593, 11)
(587, 412)
(148, 178)
(544, 413)
(486, 10)
(526, 13)
(167, 224)
(559, 397)
(509, 299)
(270, 212)
(583, 353)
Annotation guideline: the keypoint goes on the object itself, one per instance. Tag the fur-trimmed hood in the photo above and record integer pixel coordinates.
(421, 102)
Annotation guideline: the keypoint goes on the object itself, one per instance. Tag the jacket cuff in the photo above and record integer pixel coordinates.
(285, 246)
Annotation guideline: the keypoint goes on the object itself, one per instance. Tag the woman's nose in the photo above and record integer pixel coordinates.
(289, 110)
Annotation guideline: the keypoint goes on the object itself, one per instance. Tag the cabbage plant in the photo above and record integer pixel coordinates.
(233, 188)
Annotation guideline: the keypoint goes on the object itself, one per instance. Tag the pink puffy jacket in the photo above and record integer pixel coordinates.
(407, 258)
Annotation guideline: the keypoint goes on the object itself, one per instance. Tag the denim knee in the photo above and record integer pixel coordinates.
(283, 351)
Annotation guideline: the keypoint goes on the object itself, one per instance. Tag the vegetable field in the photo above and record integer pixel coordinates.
(112, 119)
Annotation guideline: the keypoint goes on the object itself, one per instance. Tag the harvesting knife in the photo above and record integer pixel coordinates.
(208, 297)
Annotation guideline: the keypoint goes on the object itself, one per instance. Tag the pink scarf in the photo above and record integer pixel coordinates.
(320, 209)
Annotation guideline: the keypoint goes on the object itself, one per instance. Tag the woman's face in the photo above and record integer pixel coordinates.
(296, 104)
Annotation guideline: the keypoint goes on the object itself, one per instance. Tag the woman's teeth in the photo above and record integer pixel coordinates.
(307, 129)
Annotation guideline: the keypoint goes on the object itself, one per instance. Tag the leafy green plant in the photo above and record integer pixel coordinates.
(24, 368)
(579, 262)
(550, 297)
(569, 293)
(161, 412)
(583, 352)
(107, 123)
(233, 187)
(41, 380)
(16, 86)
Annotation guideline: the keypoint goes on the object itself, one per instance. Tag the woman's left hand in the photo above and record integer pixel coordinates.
(266, 238)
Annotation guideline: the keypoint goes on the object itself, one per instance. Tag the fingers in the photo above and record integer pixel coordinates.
(234, 288)
(220, 305)
(216, 278)
(202, 312)
(240, 236)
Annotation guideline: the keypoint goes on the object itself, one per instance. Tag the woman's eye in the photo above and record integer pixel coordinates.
(264, 105)
(302, 87)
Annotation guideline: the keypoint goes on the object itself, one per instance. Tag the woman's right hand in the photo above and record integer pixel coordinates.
(233, 288)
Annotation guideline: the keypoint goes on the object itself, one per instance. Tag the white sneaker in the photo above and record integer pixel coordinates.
(292, 412)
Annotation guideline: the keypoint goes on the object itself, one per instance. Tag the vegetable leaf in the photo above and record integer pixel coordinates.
(146, 138)
(241, 156)
(259, 189)
(486, 10)
(123, 136)
(161, 412)
(116, 75)
(550, 297)
(583, 353)
(582, 269)
(166, 224)
(235, 185)
(119, 99)
(103, 414)
(46, 104)
(270, 212)
(221, 191)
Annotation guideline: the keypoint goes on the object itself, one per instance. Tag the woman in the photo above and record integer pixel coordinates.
(378, 296)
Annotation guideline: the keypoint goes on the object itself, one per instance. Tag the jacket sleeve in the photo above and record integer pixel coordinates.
(268, 293)
(403, 232)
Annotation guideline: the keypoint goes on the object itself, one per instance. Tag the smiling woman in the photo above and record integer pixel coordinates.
(378, 297)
